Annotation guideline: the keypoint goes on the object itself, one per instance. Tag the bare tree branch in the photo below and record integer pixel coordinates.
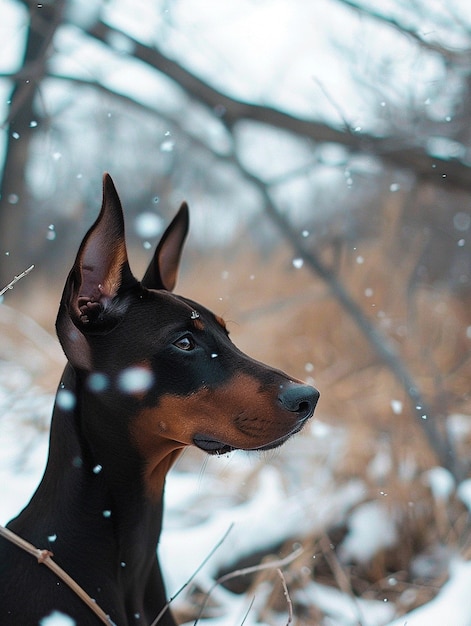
(44, 557)
(268, 565)
(425, 416)
(13, 282)
(397, 151)
(461, 58)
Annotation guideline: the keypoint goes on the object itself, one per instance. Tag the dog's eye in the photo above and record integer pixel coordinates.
(185, 343)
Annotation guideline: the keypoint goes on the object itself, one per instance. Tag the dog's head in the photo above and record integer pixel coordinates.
(166, 362)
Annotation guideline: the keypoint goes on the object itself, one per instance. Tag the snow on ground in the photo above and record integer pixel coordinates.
(450, 606)
(235, 506)
(24, 413)
(344, 609)
(268, 518)
(360, 543)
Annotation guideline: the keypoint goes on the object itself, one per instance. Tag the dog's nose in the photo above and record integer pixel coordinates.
(300, 399)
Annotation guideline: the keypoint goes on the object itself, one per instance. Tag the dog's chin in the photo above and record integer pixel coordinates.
(212, 446)
(216, 447)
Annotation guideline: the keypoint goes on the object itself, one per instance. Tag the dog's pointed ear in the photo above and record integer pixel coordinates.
(93, 299)
(163, 269)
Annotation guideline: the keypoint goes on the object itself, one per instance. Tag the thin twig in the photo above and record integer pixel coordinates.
(335, 105)
(448, 54)
(247, 612)
(287, 596)
(12, 283)
(44, 558)
(340, 577)
(197, 570)
(248, 570)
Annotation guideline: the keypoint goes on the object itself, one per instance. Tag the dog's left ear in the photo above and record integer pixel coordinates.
(94, 297)
(163, 269)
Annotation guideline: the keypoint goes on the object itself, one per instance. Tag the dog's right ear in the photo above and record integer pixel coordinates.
(163, 269)
(94, 297)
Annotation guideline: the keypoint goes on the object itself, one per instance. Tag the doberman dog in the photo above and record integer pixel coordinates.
(148, 374)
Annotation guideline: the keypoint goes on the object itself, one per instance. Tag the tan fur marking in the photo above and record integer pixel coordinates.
(112, 280)
(238, 414)
(198, 324)
(220, 321)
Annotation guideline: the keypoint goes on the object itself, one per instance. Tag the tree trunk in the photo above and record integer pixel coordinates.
(22, 122)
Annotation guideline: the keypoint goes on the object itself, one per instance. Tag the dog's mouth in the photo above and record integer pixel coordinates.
(216, 447)
(211, 446)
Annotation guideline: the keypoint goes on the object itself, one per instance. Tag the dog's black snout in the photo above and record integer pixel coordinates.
(300, 399)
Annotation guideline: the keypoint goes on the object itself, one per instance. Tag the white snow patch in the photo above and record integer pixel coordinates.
(346, 610)
(450, 606)
(371, 528)
(381, 464)
(269, 518)
(441, 483)
(396, 406)
(458, 425)
(57, 619)
(464, 493)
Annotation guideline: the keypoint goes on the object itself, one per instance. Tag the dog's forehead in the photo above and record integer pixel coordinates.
(205, 313)
(183, 310)
(170, 307)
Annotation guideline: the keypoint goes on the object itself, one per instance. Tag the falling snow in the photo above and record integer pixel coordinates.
(148, 225)
(135, 380)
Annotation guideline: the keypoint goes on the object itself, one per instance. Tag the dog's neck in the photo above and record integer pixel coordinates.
(118, 525)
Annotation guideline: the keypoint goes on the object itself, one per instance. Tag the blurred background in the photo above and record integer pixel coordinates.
(324, 149)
